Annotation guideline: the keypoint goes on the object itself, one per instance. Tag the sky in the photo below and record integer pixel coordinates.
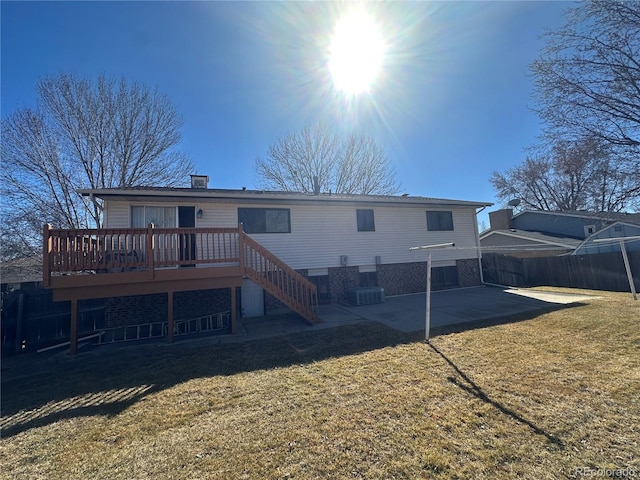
(451, 103)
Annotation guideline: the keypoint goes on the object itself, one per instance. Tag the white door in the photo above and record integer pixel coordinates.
(252, 299)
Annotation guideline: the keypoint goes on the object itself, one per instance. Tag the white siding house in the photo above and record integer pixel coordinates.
(325, 235)
(322, 232)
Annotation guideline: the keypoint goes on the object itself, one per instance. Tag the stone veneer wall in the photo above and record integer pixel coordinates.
(468, 272)
(137, 309)
(341, 280)
(402, 278)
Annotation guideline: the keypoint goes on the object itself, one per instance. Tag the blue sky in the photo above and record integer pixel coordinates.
(451, 105)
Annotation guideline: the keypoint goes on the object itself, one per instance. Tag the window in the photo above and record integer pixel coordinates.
(589, 230)
(444, 277)
(437, 221)
(365, 221)
(161, 217)
(368, 279)
(265, 220)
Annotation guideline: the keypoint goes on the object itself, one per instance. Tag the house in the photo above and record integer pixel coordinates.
(21, 273)
(262, 251)
(542, 233)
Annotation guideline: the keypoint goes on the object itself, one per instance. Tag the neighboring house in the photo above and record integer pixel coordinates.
(542, 233)
(317, 247)
(615, 230)
(21, 273)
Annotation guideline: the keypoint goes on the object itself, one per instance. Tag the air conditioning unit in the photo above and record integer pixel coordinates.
(366, 296)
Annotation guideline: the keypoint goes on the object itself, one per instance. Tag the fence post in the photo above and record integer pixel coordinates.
(150, 252)
(19, 324)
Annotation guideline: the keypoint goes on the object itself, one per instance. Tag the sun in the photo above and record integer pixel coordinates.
(356, 54)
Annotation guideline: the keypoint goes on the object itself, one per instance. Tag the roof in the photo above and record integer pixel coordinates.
(542, 238)
(266, 196)
(21, 270)
(633, 218)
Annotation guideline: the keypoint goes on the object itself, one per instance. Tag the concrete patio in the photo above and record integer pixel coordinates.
(406, 313)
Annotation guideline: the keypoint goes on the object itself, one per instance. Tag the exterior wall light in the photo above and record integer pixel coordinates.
(200, 213)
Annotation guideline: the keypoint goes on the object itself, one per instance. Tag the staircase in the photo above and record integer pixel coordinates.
(277, 278)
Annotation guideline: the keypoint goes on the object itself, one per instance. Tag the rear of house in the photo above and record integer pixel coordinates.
(339, 242)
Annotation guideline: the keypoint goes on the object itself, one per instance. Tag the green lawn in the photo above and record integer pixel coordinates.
(537, 398)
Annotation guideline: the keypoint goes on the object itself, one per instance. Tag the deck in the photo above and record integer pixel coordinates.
(81, 264)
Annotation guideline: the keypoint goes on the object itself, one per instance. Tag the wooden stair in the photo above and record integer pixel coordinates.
(279, 279)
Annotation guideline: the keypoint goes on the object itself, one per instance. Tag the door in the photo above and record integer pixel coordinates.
(187, 241)
(322, 284)
(252, 299)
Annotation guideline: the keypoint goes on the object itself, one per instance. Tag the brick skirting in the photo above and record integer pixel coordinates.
(468, 272)
(137, 309)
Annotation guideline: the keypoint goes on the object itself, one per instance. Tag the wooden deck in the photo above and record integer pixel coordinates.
(81, 264)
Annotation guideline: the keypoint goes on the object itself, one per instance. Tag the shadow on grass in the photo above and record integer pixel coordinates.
(106, 381)
(472, 388)
(39, 390)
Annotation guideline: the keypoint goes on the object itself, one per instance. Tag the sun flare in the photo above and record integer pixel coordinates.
(356, 53)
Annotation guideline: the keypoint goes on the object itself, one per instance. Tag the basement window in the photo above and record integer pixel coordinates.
(368, 279)
(265, 220)
(444, 277)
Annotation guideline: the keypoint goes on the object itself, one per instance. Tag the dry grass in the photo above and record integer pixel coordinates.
(533, 399)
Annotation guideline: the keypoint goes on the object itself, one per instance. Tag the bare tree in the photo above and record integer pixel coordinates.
(350, 164)
(85, 134)
(587, 92)
(577, 175)
(587, 79)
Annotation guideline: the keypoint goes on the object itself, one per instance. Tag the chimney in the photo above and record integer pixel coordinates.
(199, 181)
(316, 186)
(501, 219)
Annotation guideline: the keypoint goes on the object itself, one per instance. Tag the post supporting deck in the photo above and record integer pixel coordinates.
(170, 317)
(234, 320)
(73, 332)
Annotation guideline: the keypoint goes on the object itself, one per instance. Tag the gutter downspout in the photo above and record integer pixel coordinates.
(479, 249)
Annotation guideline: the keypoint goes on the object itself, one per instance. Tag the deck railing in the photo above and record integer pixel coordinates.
(110, 250)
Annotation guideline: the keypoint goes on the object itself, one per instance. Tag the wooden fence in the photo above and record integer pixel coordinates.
(602, 271)
(31, 320)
